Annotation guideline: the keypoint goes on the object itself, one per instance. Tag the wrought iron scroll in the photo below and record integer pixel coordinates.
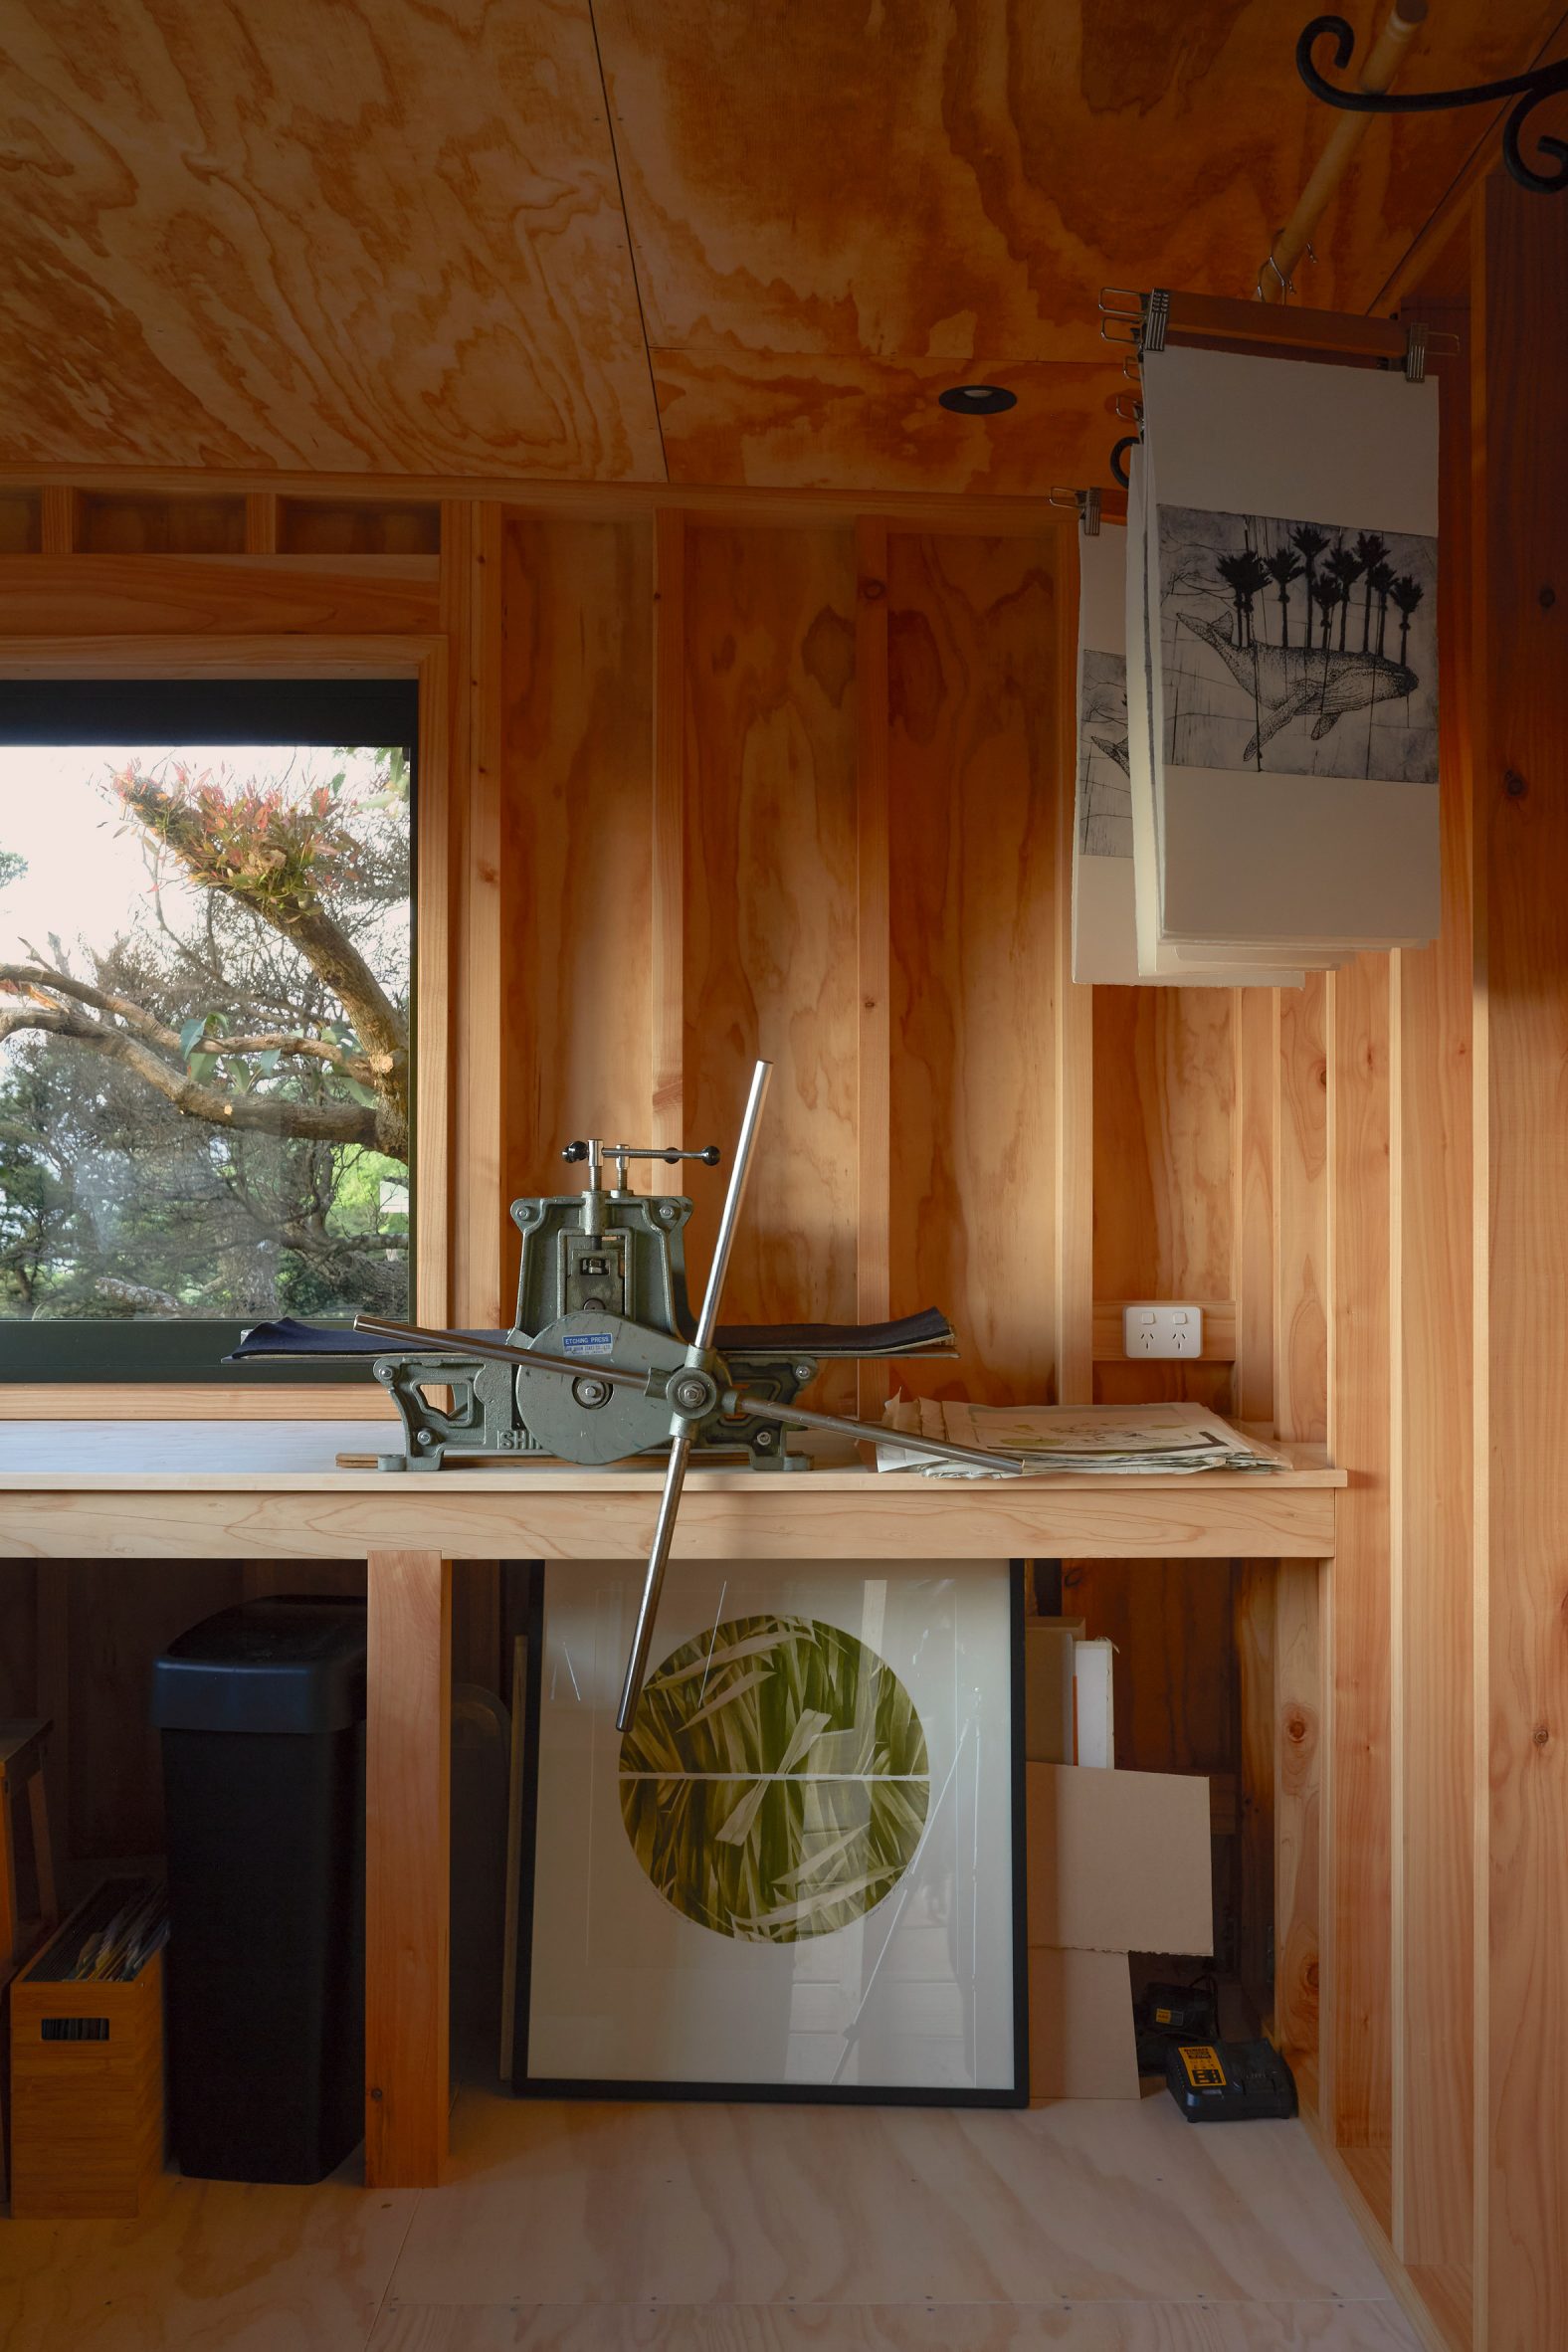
(1530, 89)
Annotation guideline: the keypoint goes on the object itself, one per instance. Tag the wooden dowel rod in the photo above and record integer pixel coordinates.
(1388, 55)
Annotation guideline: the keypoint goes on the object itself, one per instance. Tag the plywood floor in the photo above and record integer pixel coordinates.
(1109, 2227)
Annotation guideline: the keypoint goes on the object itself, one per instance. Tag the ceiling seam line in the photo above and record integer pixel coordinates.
(631, 243)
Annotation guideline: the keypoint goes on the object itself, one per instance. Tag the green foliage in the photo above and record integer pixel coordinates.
(774, 1780)
(112, 1202)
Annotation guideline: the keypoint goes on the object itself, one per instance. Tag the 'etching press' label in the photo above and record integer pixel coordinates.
(588, 1344)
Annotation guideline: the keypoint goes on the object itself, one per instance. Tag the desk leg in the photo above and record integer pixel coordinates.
(1301, 1601)
(408, 1738)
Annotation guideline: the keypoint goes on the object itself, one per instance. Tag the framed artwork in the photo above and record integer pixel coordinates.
(800, 1874)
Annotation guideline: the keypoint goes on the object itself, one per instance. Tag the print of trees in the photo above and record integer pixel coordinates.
(1329, 573)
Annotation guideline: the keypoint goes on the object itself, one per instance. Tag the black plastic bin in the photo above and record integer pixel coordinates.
(261, 1709)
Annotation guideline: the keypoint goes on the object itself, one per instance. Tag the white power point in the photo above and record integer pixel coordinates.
(1150, 1329)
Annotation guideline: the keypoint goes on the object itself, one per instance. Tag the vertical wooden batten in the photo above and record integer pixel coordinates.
(470, 604)
(668, 958)
(1520, 508)
(261, 522)
(1360, 1440)
(873, 1041)
(1433, 1568)
(1074, 1038)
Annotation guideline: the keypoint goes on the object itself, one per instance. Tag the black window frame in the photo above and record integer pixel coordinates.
(323, 712)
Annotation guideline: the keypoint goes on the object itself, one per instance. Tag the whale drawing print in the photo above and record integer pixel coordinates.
(1295, 647)
(1297, 682)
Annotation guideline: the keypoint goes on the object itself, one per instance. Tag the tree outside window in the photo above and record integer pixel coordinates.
(205, 1061)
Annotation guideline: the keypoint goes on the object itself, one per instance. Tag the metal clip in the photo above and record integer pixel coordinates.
(1129, 407)
(1084, 503)
(1157, 318)
(1113, 313)
(1414, 353)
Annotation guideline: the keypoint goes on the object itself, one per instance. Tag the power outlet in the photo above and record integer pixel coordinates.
(1151, 1330)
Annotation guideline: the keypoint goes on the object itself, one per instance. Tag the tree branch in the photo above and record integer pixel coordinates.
(297, 916)
(264, 1114)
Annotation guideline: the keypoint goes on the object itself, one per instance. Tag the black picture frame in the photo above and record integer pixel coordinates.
(789, 2094)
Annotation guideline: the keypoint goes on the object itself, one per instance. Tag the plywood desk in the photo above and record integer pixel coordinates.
(271, 1490)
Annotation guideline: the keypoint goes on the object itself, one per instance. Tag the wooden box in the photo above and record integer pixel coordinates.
(86, 2116)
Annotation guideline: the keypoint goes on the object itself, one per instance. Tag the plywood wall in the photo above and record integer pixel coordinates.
(791, 778)
(724, 809)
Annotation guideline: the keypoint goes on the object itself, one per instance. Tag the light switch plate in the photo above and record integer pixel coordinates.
(1152, 1327)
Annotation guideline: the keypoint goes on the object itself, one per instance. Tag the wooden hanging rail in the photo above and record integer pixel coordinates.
(1216, 318)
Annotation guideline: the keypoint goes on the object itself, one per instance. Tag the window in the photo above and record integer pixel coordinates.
(206, 963)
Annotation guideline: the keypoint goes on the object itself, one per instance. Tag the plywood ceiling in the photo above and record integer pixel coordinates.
(709, 240)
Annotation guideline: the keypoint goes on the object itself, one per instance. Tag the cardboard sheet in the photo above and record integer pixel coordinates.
(1118, 1862)
(1081, 2044)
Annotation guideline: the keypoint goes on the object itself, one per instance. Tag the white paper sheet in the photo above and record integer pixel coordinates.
(1156, 961)
(1291, 526)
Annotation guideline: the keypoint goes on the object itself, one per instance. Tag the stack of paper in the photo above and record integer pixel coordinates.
(1282, 677)
(1121, 1441)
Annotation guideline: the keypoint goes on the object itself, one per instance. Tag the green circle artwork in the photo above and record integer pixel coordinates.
(774, 1780)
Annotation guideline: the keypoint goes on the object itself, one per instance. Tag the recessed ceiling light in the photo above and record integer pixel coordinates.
(977, 399)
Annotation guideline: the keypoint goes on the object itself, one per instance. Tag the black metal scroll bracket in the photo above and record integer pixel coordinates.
(1530, 89)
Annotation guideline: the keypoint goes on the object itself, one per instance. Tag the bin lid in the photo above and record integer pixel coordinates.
(295, 1663)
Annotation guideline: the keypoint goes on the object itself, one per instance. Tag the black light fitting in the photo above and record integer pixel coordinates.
(977, 399)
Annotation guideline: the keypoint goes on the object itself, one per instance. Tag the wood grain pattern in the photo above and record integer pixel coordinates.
(21, 523)
(814, 422)
(1301, 1214)
(129, 525)
(972, 862)
(770, 913)
(1019, 157)
(1164, 1208)
(873, 954)
(1253, 1599)
(491, 1515)
(896, 2327)
(1434, 1743)
(406, 1861)
(1174, 1689)
(1363, 1436)
(881, 2205)
(576, 727)
(666, 913)
(380, 237)
(208, 2263)
(111, 596)
(1255, 1023)
(362, 526)
(471, 581)
(1300, 1819)
(1522, 810)
(722, 2210)
(86, 2118)
(1073, 1154)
